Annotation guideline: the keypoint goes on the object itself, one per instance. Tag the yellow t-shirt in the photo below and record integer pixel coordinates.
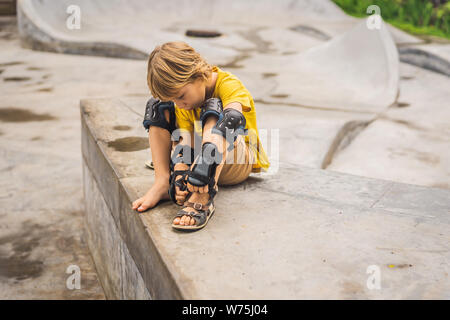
(229, 89)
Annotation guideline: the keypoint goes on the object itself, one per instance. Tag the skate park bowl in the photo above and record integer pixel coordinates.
(303, 232)
(348, 65)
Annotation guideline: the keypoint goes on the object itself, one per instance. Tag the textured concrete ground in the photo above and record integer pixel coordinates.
(334, 88)
(402, 138)
(41, 199)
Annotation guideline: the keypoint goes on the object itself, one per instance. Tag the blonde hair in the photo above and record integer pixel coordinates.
(173, 65)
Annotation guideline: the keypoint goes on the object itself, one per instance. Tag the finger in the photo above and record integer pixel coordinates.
(182, 193)
(180, 200)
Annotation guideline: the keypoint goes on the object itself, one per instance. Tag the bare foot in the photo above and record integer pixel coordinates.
(156, 193)
(202, 198)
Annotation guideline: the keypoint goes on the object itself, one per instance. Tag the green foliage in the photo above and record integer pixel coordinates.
(414, 16)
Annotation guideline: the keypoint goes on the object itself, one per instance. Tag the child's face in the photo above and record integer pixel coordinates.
(190, 96)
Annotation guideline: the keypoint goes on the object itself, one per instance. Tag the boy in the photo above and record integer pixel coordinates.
(192, 97)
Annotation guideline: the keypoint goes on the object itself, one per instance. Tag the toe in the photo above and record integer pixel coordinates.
(188, 221)
(176, 220)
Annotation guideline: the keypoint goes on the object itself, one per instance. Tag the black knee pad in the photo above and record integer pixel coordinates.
(154, 115)
(212, 106)
(204, 169)
(231, 123)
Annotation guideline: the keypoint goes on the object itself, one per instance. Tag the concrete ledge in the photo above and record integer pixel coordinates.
(301, 234)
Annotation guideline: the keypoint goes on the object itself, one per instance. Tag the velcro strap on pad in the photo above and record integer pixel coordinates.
(212, 106)
(205, 165)
(154, 115)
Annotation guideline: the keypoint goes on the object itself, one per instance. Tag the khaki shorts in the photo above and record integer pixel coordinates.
(238, 164)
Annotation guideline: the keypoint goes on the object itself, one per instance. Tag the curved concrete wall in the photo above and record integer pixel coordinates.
(355, 70)
(140, 25)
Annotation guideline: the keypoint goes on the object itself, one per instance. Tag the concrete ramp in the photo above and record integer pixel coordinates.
(356, 71)
(131, 29)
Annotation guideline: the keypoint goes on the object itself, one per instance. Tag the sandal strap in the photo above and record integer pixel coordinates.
(192, 213)
(203, 210)
(198, 206)
(199, 217)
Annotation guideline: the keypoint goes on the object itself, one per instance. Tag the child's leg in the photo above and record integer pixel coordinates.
(240, 152)
(161, 146)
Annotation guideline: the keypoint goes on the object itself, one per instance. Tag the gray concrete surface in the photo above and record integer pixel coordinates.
(349, 76)
(41, 197)
(409, 142)
(356, 70)
(434, 57)
(143, 24)
(41, 166)
(132, 28)
(302, 233)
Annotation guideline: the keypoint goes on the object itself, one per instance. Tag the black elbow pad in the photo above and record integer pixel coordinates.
(212, 106)
(231, 121)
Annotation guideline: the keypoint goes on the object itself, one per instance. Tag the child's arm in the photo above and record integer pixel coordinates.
(234, 105)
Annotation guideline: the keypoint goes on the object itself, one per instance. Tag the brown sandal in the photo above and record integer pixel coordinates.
(149, 164)
(205, 211)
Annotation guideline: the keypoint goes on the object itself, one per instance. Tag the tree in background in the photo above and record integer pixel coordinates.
(416, 16)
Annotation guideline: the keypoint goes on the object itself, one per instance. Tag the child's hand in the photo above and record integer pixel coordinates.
(193, 188)
(180, 196)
